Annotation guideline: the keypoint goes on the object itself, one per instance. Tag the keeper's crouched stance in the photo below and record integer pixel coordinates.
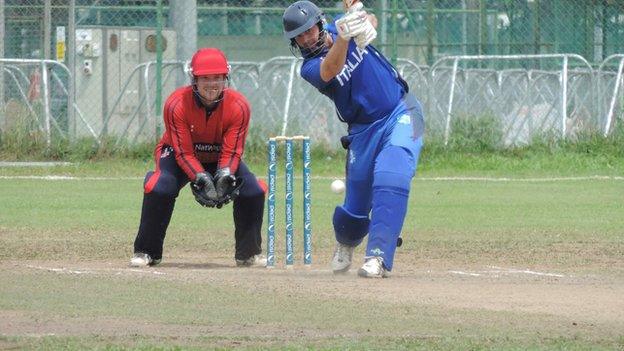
(206, 126)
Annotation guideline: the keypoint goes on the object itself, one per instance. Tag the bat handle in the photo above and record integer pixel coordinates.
(354, 6)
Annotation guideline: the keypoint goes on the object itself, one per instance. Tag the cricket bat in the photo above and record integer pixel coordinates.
(348, 3)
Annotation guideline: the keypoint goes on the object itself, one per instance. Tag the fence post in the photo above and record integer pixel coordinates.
(430, 30)
(483, 20)
(45, 94)
(616, 89)
(564, 97)
(589, 31)
(159, 57)
(536, 27)
(183, 18)
(395, 37)
(449, 110)
(71, 63)
(47, 39)
(605, 30)
(2, 107)
(291, 78)
(384, 23)
(47, 31)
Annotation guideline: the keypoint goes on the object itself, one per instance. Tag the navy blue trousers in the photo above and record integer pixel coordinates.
(161, 188)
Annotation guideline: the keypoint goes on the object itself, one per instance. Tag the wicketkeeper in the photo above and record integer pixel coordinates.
(206, 126)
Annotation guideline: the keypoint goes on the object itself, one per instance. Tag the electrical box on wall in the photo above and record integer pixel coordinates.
(109, 85)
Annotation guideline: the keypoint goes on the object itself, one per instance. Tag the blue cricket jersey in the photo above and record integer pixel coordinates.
(367, 89)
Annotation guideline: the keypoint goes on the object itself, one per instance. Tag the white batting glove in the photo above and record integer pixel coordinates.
(352, 24)
(369, 32)
(355, 7)
(367, 36)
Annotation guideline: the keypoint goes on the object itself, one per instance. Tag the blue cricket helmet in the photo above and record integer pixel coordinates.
(301, 16)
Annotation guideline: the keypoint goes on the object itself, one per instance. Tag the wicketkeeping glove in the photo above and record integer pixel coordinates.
(227, 186)
(204, 190)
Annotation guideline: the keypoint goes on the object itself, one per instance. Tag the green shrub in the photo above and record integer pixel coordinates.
(471, 135)
(475, 134)
(16, 145)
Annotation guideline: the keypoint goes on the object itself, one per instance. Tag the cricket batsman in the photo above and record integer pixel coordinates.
(206, 124)
(385, 128)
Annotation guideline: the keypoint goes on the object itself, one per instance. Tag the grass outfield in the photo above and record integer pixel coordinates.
(506, 264)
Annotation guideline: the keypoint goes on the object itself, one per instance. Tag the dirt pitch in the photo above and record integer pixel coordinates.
(561, 303)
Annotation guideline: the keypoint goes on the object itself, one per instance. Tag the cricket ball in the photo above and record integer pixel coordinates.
(338, 186)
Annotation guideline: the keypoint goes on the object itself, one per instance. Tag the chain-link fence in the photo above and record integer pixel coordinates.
(428, 30)
(422, 30)
(110, 76)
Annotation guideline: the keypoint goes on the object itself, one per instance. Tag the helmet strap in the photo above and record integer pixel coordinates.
(298, 51)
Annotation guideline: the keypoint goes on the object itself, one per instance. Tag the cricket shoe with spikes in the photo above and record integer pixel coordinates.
(255, 260)
(142, 260)
(373, 268)
(342, 258)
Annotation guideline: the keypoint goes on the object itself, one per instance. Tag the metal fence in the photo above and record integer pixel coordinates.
(563, 100)
(110, 76)
(250, 30)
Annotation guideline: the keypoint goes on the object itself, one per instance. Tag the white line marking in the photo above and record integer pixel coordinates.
(498, 271)
(116, 270)
(466, 273)
(434, 179)
(525, 271)
(33, 164)
(505, 179)
(139, 271)
(59, 270)
(60, 177)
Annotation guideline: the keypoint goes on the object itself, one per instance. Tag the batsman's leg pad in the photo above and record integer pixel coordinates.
(248, 214)
(388, 214)
(395, 167)
(350, 228)
(391, 186)
(155, 216)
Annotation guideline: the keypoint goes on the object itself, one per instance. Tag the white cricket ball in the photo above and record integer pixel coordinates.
(338, 186)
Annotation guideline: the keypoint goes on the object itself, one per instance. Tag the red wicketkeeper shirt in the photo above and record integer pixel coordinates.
(198, 136)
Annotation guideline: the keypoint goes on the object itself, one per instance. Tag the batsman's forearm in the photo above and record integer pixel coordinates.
(335, 59)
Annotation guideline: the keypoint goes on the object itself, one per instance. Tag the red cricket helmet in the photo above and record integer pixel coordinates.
(209, 61)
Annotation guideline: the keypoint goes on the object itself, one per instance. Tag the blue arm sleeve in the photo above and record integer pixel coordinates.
(311, 72)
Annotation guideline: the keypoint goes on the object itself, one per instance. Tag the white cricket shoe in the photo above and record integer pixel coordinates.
(142, 260)
(255, 260)
(342, 258)
(373, 268)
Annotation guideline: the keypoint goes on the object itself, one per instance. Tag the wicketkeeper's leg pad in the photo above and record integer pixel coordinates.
(248, 215)
(155, 216)
(350, 228)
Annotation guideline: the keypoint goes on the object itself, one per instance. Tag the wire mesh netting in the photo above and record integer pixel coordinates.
(122, 59)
